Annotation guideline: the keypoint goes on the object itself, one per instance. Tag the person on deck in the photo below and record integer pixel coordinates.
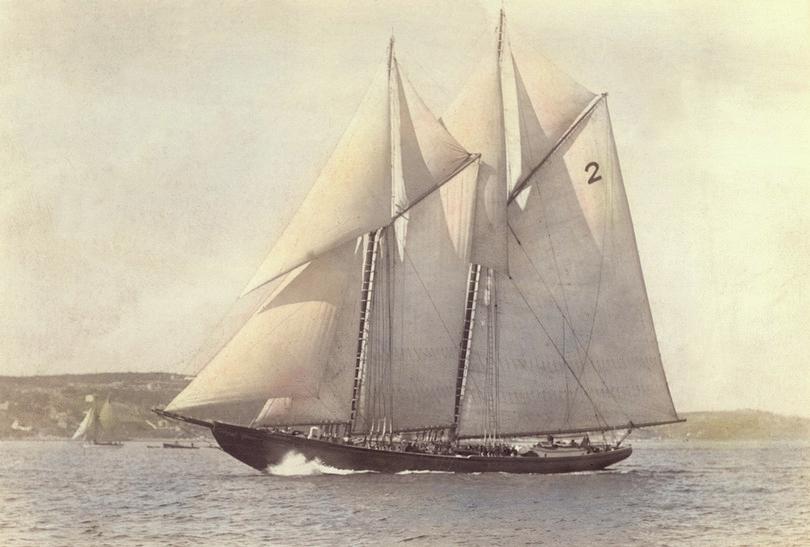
(586, 442)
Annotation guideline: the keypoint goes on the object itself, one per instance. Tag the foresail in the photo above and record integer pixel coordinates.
(576, 344)
(299, 344)
(418, 310)
(85, 426)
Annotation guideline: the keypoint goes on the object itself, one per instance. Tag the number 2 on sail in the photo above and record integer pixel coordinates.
(595, 177)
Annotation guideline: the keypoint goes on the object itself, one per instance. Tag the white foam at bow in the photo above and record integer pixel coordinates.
(296, 464)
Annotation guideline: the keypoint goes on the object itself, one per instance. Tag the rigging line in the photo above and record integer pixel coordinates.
(213, 349)
(424, 71)
(565, 361)
(608, 223)
(555, 261)
(521, 185)
(392, 295)
(427, 293)
(471, 158)
(588, 360)
(565, 319)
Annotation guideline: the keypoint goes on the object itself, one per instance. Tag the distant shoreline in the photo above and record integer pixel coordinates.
(53, 405)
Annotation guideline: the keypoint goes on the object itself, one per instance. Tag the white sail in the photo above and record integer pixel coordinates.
(547, 102)
(87, 425)
(353, 194)
(418, 309)
(299, 344)
(563, 338)
(513, 111)
(107, 422)
(576, 343)
(240, 313)
(428, 153)
(476, 120)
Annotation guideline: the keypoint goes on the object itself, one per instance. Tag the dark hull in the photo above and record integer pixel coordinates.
(261, 449)
(104, 444)
(180, 446)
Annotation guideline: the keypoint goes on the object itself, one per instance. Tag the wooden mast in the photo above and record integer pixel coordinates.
(369, 268)
(466, 342)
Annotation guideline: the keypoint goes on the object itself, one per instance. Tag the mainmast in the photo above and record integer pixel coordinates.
(473, 284)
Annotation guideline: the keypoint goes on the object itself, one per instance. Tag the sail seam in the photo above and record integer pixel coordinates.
(557, 349)
(588, 360)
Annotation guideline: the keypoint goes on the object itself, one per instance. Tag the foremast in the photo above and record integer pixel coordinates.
(366, 300)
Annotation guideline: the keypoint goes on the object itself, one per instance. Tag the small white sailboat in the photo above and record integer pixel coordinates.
(98, 428)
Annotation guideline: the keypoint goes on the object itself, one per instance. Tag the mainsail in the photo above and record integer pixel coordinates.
(565, 339)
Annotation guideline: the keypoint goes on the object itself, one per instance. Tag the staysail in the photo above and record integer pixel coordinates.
(289, 348)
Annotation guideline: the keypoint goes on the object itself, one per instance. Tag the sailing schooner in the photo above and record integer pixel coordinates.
(424, 297)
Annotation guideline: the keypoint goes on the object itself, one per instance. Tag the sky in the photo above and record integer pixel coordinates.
(153, 151)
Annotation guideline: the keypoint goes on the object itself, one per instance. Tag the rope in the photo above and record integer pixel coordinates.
(587, 359)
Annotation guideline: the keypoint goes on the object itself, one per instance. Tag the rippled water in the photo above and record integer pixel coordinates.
(58, 493)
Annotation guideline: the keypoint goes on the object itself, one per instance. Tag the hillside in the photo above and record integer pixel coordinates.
(732, 425)
(53, 406)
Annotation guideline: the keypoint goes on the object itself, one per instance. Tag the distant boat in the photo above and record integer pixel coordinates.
(17, 426)
(98, 428)
(426, 305)
(180, 445)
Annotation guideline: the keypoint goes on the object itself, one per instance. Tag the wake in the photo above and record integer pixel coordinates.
(295, 464)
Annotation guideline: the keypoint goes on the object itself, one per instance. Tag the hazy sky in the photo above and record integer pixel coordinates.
(152, 152)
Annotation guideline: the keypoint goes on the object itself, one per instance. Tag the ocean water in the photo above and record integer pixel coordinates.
(667, 493)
